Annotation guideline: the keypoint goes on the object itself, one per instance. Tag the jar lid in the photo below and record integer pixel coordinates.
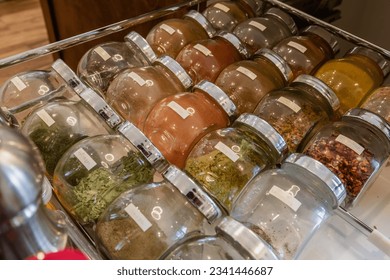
(100, 106)
(276, 59)
(140, 43)
(370, 118)
(321, 87)
(333, 183)
(173, 66)
(193, 192)
(219, 95)
(144, 146)
(284, 17)
(324, 34)
(266, 130)
(233, 39)
(383, 64)
(202, 20)
(68, 75)
(240, 235)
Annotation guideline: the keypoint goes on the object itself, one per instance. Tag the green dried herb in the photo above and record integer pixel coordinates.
(222, 177)
(53, 142)
(101, 186)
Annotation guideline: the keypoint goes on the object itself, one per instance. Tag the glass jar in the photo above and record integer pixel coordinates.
(233, 241)
(378, 101)
(177, 122)
(26, 226)
(225, 15)
(95, 171)
(22, 93)
(298, 110)
(285, 206)
(134, 92)
(144, 222)
(57, 125)
(169, 36)
(265, 31)
(309, 50)
(205, 59)
(355, 149)
(100, 64)
(246, 81)
(225, 160)
(354, 76)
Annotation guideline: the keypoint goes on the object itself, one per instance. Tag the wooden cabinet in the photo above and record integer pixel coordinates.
(66, 18)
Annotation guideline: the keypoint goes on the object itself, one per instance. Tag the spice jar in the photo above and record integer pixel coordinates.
(225, 160)
(177, 122)
(352, 77)
(170, 36)
(57, 125)
(100, 64)
(232, 241)
(95, 171)
(246, 81)
(285, 206)
(25, 91)
(26, 226)
(355, 149)
(307, 51)
(144, 222)
(378, 101)
(225, 15)
(265, 31)
(298, 110)
(205, 59)
(134, 92)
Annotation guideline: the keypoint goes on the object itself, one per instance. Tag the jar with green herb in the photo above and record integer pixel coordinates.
(298, 110)
(95, 171)
(57, 125)
(225, 160)
(142, 223)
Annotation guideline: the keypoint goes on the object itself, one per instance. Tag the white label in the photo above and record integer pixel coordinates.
(227, 151)
(85, 159)
(138, 217)
(350, 144)
(289, 104)
(178, 109)
(297, 46)
(247, 72)
(18, 83)
(102, 53)
(45, 117)
(203, 49)
(286, 197)
(221, 7)
(167, 28)
(258, 25)
(137, 78)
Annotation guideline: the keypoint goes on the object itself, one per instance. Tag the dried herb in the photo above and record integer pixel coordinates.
(100, 187)
(353, 169)
(222, 177)
(295, 127)
(117, 241)
(52, 142)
